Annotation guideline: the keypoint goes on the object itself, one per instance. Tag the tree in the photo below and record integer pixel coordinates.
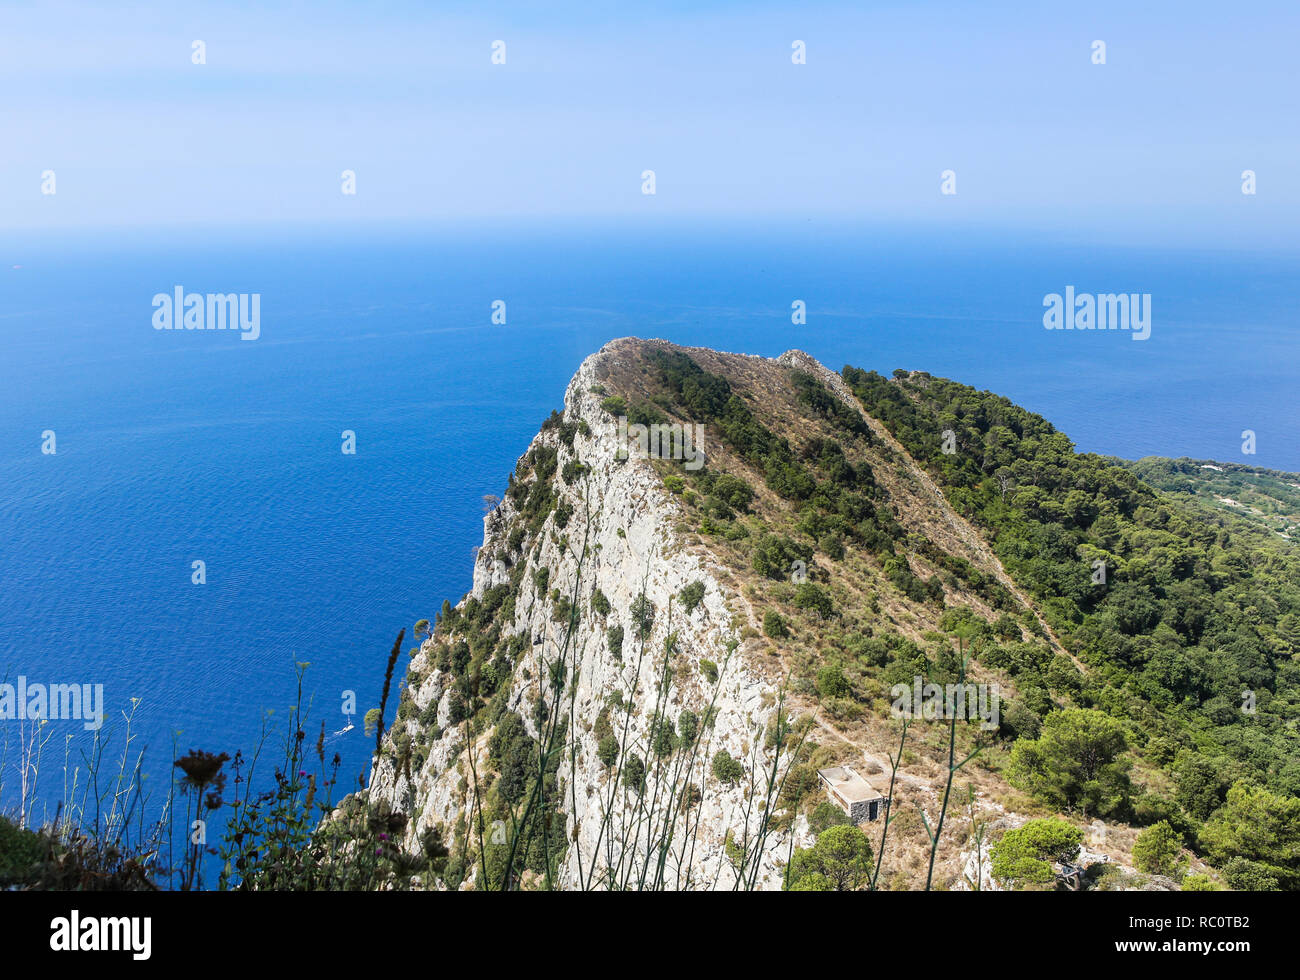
(840, 861)
(422, 628)
(1158, 850)
(1200, 785)
(1075, 763)
(1025, 854)
(1257, 827)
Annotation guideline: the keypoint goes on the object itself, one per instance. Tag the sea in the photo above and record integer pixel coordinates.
(171, 447)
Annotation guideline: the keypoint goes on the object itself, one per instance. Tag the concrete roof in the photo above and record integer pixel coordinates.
(849, 784)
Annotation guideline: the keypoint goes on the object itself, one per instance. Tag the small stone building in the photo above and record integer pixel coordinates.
(853, 794)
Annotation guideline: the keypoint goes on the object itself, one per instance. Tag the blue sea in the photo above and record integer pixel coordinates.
(177, 446)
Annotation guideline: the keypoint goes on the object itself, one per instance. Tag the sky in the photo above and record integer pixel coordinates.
(1146, 148)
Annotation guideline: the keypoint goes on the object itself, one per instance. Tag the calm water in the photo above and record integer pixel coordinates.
(177, 446)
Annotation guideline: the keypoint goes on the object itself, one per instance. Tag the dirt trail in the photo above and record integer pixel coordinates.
(883, 764)
(961, 529)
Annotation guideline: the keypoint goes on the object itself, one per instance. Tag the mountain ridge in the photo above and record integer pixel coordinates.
(585, 544)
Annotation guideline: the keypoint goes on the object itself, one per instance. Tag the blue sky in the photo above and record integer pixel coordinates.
(1147, 148)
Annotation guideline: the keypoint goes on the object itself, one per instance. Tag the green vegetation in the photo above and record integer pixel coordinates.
(692, 596)
(840, 861)
(615, 637)
(1171, 701)
(1025, 855)
(1185, 616)
(1255, 837)
(1158, 850)
(826, 814)
(836, 500)
(1076, 763)
(1267, 498)
(727, 769)
(21, 851)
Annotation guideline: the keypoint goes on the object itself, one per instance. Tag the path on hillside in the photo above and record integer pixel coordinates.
(959, 526)
(884, 765)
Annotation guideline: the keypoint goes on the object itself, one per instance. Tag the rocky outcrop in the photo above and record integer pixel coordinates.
(622, 539)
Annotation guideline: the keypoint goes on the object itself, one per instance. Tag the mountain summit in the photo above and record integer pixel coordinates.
(722, 591)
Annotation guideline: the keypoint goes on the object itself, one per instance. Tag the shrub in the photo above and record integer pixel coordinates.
(615, 637)
(831, 682)
(599, 604)
(726, 769)
(643, 615)
(774, 625)
(20, 851)
(1158, 850)
(710, 670)
(662, 737)
(572, 470)
(774, 555)
(688, 726)
(562, 610)
(563, 511)
(733, 491)
(1245, 875)
(826, 814)
(813, 597)
(607, 751)
(692, 595)
(634, 774)
(831, 545)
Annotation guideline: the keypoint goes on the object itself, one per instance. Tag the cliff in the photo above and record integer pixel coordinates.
(664, 644)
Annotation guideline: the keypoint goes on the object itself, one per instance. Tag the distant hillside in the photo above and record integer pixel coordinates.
(1270, 498)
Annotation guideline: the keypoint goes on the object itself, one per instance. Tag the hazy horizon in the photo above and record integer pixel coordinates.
(1146, 148)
